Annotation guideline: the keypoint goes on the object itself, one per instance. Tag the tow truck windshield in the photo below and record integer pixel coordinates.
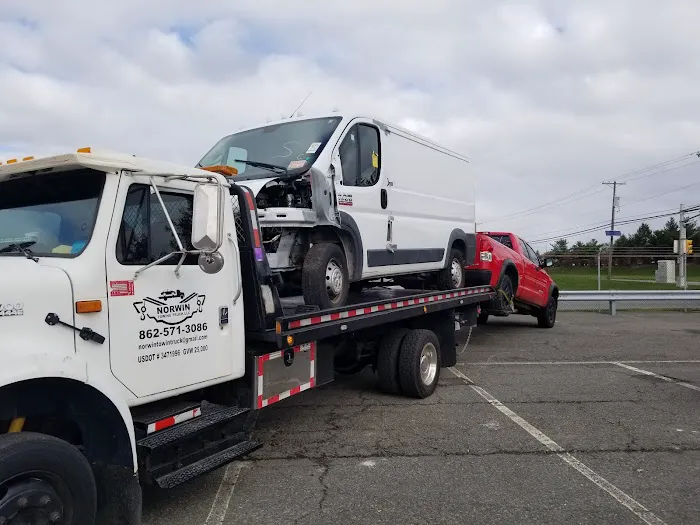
(49, 215)
(268, 150)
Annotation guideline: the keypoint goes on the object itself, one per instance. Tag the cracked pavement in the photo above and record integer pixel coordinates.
(346, 453)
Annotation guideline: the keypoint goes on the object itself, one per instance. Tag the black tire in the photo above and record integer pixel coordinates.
(322, 259)
(412, 384)
(446, 280)
(547, 316)
(506, 292)
(482, 319)
(388, 361)
(57, 469)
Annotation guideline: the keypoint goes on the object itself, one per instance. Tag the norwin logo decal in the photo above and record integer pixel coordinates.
(170, 307)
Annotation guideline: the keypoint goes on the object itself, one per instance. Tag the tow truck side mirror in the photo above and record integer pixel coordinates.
(207, 225)
(547, 263)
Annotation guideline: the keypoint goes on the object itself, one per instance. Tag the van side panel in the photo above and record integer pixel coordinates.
(432, 195)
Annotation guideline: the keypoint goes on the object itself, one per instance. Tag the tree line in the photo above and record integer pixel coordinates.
(644, 237)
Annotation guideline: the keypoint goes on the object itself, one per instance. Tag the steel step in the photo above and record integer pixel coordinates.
(206, 465)
(187, 429)
(144, 416)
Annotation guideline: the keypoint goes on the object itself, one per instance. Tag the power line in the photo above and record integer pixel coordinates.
(597, 223)
(565, 200)
(663, 193)
(630, 221)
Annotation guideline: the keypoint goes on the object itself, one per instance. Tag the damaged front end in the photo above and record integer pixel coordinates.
(288, 207)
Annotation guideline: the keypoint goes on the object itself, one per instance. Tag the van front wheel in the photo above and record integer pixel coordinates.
(324, 277)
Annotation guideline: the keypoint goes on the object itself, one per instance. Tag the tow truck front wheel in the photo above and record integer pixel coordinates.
(44, 480)
(419, 363)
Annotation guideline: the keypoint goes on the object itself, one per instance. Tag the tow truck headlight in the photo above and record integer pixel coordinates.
(486, 256)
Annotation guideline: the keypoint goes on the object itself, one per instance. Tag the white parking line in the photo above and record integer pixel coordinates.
(664, 378)
(542, 363)
(637, 508)
(222, 500)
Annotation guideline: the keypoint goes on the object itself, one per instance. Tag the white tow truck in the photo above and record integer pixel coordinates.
(141, 327)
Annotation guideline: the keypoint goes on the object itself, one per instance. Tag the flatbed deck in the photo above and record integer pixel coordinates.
(371, 307)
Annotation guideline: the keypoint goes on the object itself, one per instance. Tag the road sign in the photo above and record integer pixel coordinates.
(613, 233)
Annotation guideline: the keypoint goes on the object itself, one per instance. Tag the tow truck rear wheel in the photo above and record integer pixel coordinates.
(325, 276)
(419, 363)
(388, 361)
(44, 480)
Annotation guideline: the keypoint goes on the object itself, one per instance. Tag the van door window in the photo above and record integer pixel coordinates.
(145, 235)
(349, 153)
(369, 155)
(359, 156)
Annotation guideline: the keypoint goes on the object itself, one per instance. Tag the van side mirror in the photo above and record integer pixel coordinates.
(547, 263)
(207, 217)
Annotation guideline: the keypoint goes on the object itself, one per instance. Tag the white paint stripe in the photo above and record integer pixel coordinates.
(222, 500)
(664, 378)
(637, 508)
(543, 363)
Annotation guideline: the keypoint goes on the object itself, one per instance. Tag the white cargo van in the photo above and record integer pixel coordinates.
(350, 199)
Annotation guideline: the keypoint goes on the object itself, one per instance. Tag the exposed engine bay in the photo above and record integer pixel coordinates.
(292, 193)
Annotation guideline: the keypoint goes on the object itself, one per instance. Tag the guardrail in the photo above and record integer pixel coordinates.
(612, 297)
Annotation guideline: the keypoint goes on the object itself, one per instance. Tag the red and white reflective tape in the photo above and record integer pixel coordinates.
(173, 420)
(382, 307)
(263, 402)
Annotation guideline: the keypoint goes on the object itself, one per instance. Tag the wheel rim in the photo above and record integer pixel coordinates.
(334, 279)
(34, 498)
(428, 364)
(456, 273)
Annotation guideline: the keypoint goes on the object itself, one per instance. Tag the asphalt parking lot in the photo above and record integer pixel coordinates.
(594, 421)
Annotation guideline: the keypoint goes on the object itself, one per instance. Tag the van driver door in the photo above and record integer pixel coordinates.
(362, 194)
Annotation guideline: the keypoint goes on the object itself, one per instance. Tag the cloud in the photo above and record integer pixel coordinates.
(546, 98)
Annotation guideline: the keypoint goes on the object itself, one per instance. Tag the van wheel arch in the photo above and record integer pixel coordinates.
(464, 242)
(349, 239)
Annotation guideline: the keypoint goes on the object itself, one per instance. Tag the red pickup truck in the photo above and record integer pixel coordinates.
(510, 265)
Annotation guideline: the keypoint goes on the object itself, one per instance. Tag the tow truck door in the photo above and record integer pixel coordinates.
(166, 332)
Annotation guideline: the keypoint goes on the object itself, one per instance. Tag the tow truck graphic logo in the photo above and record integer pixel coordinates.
(171, 307)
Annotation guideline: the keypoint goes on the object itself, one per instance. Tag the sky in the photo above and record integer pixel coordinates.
(548, 98)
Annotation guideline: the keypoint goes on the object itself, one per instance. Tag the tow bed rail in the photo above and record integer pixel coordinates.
(313, 326)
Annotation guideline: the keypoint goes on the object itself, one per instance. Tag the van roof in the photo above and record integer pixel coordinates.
(349, 116)
(100, 160)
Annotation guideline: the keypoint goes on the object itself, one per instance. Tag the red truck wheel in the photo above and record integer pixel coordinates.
(547, 316)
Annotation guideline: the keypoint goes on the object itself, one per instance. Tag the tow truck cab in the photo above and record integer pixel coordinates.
(142, 327)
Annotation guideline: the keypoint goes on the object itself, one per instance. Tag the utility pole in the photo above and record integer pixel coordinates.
(682, 256)
(614, 184)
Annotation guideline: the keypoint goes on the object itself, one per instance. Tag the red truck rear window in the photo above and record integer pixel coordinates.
(503, 239)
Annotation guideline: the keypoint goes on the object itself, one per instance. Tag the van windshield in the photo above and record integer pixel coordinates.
(293, 145)
(51, 215)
